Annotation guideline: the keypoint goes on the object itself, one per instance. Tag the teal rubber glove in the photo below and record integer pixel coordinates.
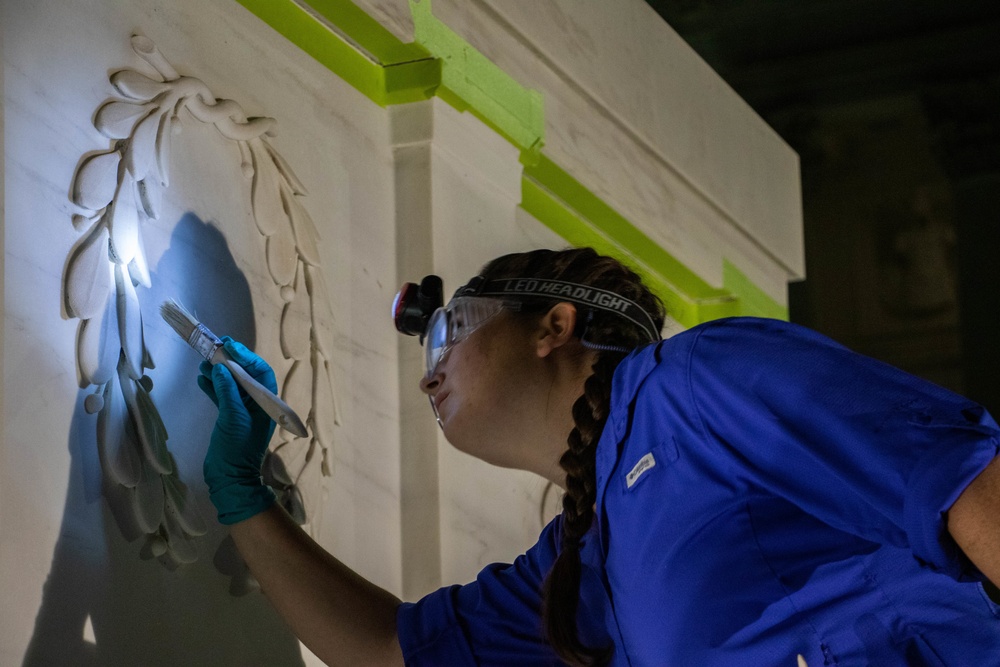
(240, 437)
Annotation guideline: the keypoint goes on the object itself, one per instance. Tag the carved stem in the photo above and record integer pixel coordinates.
(146, 50)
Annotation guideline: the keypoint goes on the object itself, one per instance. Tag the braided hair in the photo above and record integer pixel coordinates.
(600, 329)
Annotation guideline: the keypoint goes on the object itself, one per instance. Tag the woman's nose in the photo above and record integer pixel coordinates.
(429, 385)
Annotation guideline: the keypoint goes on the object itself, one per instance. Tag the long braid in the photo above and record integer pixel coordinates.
(561, 594)
(590, 412)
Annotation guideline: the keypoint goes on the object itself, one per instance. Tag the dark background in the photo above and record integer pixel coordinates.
(893, 107)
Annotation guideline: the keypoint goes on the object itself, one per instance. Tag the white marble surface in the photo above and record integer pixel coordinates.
(673, 148)
(412, 132)
(206, 251)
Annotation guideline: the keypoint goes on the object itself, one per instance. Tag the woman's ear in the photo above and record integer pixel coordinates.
(556, 328)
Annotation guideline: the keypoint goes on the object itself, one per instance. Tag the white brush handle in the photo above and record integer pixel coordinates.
(277, 409)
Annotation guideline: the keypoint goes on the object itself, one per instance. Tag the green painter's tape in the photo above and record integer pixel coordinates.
(564, 205)
(356, 48)
(753, 301)
(407, 73)
(667, 277)
(615, 226)
(471, 82)
(367, 33)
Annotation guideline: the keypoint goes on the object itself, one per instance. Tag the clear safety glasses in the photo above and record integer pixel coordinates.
(453, 323)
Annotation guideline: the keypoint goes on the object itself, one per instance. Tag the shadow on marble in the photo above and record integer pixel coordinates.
(106, 600)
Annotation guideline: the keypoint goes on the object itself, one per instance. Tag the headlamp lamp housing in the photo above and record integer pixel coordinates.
(414, 304)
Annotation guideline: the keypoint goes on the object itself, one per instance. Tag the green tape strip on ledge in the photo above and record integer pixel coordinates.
(561, 203)
(377, 64)
(471, 82)
(354, 46)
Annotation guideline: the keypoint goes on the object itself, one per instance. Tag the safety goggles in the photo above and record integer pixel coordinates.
(418, 310)
(451, 324)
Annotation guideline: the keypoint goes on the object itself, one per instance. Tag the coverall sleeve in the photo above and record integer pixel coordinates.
(857, 443)
(494, 620)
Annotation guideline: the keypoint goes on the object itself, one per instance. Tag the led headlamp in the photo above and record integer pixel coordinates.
(415, 304)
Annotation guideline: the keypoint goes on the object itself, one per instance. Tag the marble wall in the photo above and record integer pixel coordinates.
(80, 585)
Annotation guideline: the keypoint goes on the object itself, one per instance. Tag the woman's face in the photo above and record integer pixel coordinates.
(485, 390)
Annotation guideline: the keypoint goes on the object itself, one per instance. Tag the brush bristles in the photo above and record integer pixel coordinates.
(179, 319)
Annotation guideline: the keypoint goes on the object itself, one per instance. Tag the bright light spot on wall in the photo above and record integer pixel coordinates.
(88, 631)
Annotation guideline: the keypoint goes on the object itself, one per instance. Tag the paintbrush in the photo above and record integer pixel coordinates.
(208, 345)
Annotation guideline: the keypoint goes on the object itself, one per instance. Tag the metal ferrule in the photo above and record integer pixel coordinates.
(204, 341)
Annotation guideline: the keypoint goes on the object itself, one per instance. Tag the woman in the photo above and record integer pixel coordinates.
(738, 494)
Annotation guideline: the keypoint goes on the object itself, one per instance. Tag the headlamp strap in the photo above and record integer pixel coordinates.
(584, 295)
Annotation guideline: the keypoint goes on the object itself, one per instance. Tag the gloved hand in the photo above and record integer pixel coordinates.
(239, 440)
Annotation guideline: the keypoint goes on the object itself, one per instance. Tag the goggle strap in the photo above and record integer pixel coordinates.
(584, 295)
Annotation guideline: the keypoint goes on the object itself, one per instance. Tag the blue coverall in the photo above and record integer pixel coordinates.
(762, 492)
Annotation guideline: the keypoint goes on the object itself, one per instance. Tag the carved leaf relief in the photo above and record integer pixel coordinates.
(115, 119)
(180, 505)
(97, 180)
(306, 238)
(181, 549)
(324, 419)
(116, 441)
(138, 269)
(266, 199)
(295, 324)
(97, 345)
(150, 197)
(88, 275)
(137, 86)
(293, 181)
(152, 432)
(291, 500)
(281, 259)
(122, 188)
(322, 314)
(151, 440)
(147, 498)
(123, 222)
(274, 472)
(140, 156)
(297, 389)
(163, 133)
(129, 323)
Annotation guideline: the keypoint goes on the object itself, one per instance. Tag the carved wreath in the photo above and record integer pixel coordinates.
(119, 190)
